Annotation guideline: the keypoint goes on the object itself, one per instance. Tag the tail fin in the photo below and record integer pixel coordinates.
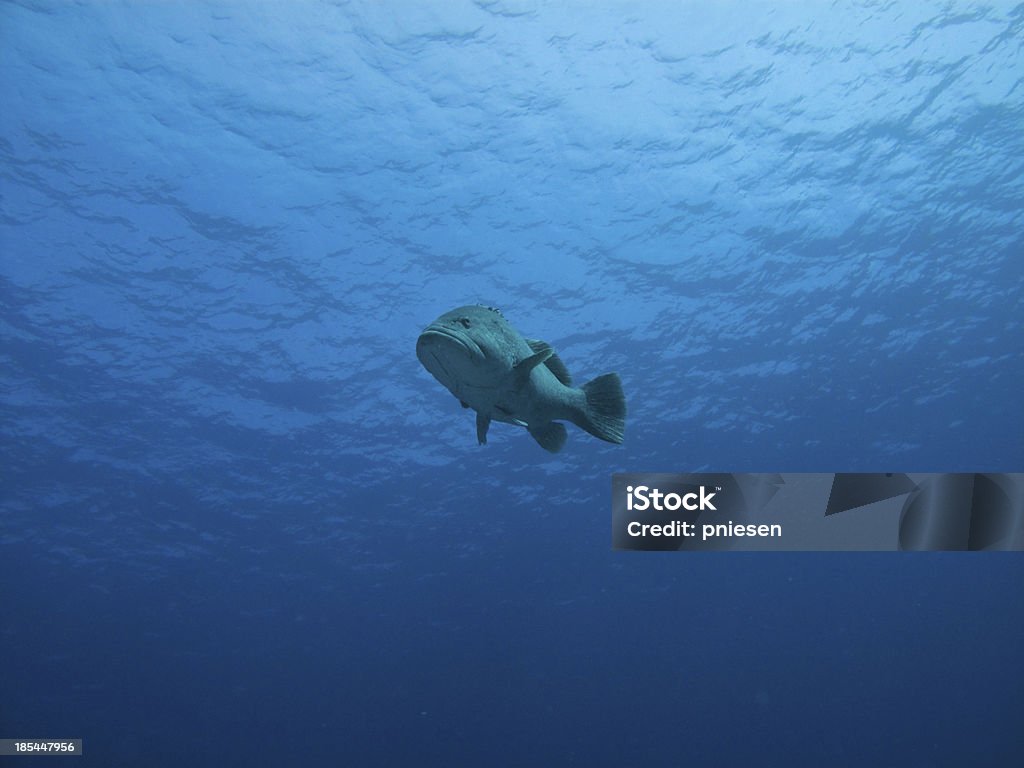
(604, 415)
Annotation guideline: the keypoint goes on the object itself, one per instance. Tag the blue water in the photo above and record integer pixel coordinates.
(240, 525)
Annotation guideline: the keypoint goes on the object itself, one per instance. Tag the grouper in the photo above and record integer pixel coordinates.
(489, 367)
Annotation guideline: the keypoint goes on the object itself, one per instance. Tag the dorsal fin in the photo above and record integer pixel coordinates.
(554, 363)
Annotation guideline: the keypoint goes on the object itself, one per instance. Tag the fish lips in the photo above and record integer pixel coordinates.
(452, 357)
(437, 338)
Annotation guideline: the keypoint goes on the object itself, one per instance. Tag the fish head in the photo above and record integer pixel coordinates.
(467, 348)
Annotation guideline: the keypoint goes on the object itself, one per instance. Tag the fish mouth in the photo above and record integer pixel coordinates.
(440, 333)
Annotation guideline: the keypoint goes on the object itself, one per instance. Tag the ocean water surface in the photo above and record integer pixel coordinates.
(241, 525)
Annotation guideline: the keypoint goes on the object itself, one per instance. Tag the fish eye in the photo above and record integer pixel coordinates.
(464, 321)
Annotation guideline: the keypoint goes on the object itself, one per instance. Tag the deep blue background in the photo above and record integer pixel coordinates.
(239, 523)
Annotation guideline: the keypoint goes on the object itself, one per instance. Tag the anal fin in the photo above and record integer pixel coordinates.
(550, 436)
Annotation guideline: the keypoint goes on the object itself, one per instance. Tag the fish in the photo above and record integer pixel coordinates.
(493, 369)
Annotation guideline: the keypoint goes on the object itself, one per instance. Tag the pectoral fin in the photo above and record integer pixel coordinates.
(482, 424)
(521, 373)
(554, 363)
